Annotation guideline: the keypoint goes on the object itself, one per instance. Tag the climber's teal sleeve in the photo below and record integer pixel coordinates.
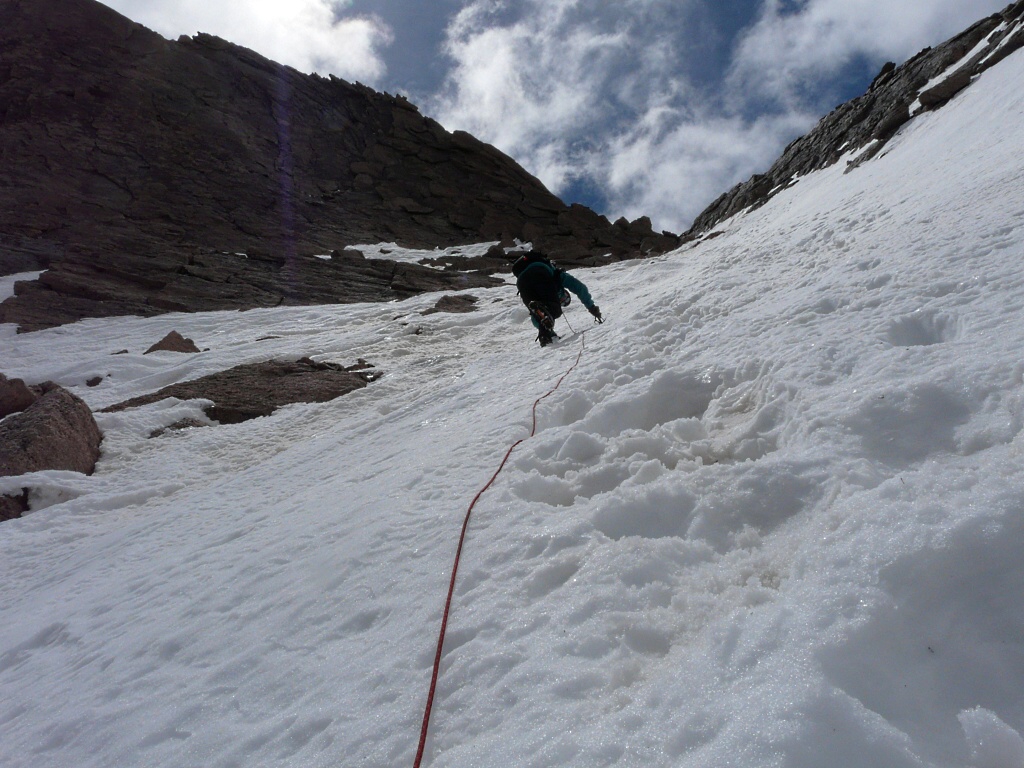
(571, 283)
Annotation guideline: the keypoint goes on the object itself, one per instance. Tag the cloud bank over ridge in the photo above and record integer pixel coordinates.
(640, 107)
(659, 104)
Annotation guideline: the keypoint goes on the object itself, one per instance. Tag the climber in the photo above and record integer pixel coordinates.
(544, 289)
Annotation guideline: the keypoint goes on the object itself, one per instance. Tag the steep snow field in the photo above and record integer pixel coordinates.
(774, 518)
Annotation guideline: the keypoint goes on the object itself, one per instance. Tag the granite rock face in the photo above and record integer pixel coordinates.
(925, 82)
(149, 175)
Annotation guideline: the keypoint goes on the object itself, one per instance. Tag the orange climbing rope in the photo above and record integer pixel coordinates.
(458, 555)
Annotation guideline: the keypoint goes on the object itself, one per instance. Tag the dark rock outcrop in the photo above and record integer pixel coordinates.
(13, 506)
(57, 431)
(173, 342)
(248, 391)
(869, 121)
(459, 303)
(149, 176)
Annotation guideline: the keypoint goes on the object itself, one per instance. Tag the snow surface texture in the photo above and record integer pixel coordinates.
(773, 519)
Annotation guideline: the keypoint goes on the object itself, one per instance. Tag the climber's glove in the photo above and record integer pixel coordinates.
(596, 312)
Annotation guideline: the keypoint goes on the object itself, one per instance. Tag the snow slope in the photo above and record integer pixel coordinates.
(774, 518)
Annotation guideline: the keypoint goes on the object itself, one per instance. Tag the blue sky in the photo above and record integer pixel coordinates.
(633, 107)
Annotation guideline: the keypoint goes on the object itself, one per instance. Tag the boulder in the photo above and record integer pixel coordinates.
(173, 342)
(15, 396)
(57, 431)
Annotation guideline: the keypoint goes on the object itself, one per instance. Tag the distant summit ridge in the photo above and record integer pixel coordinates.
(148, 176)
(925, 82)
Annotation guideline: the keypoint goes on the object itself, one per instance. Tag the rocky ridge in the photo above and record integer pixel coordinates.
(925, 82)
(148, 175)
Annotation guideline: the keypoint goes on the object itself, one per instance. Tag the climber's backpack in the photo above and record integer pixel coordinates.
(532, 257)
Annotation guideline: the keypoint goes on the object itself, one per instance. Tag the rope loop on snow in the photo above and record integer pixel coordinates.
(458, 553)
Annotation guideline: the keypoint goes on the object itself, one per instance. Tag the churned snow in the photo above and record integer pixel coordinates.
(774, 518)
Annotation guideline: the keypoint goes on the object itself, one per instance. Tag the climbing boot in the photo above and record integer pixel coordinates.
(542, 315)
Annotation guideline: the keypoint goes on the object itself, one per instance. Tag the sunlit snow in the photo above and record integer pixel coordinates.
(774, 518)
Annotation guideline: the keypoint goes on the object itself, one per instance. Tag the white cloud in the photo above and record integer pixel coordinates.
(671, 167)
(597, 91)
(785, 50)
(530, 87)
(310, 35)
(554, 85)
